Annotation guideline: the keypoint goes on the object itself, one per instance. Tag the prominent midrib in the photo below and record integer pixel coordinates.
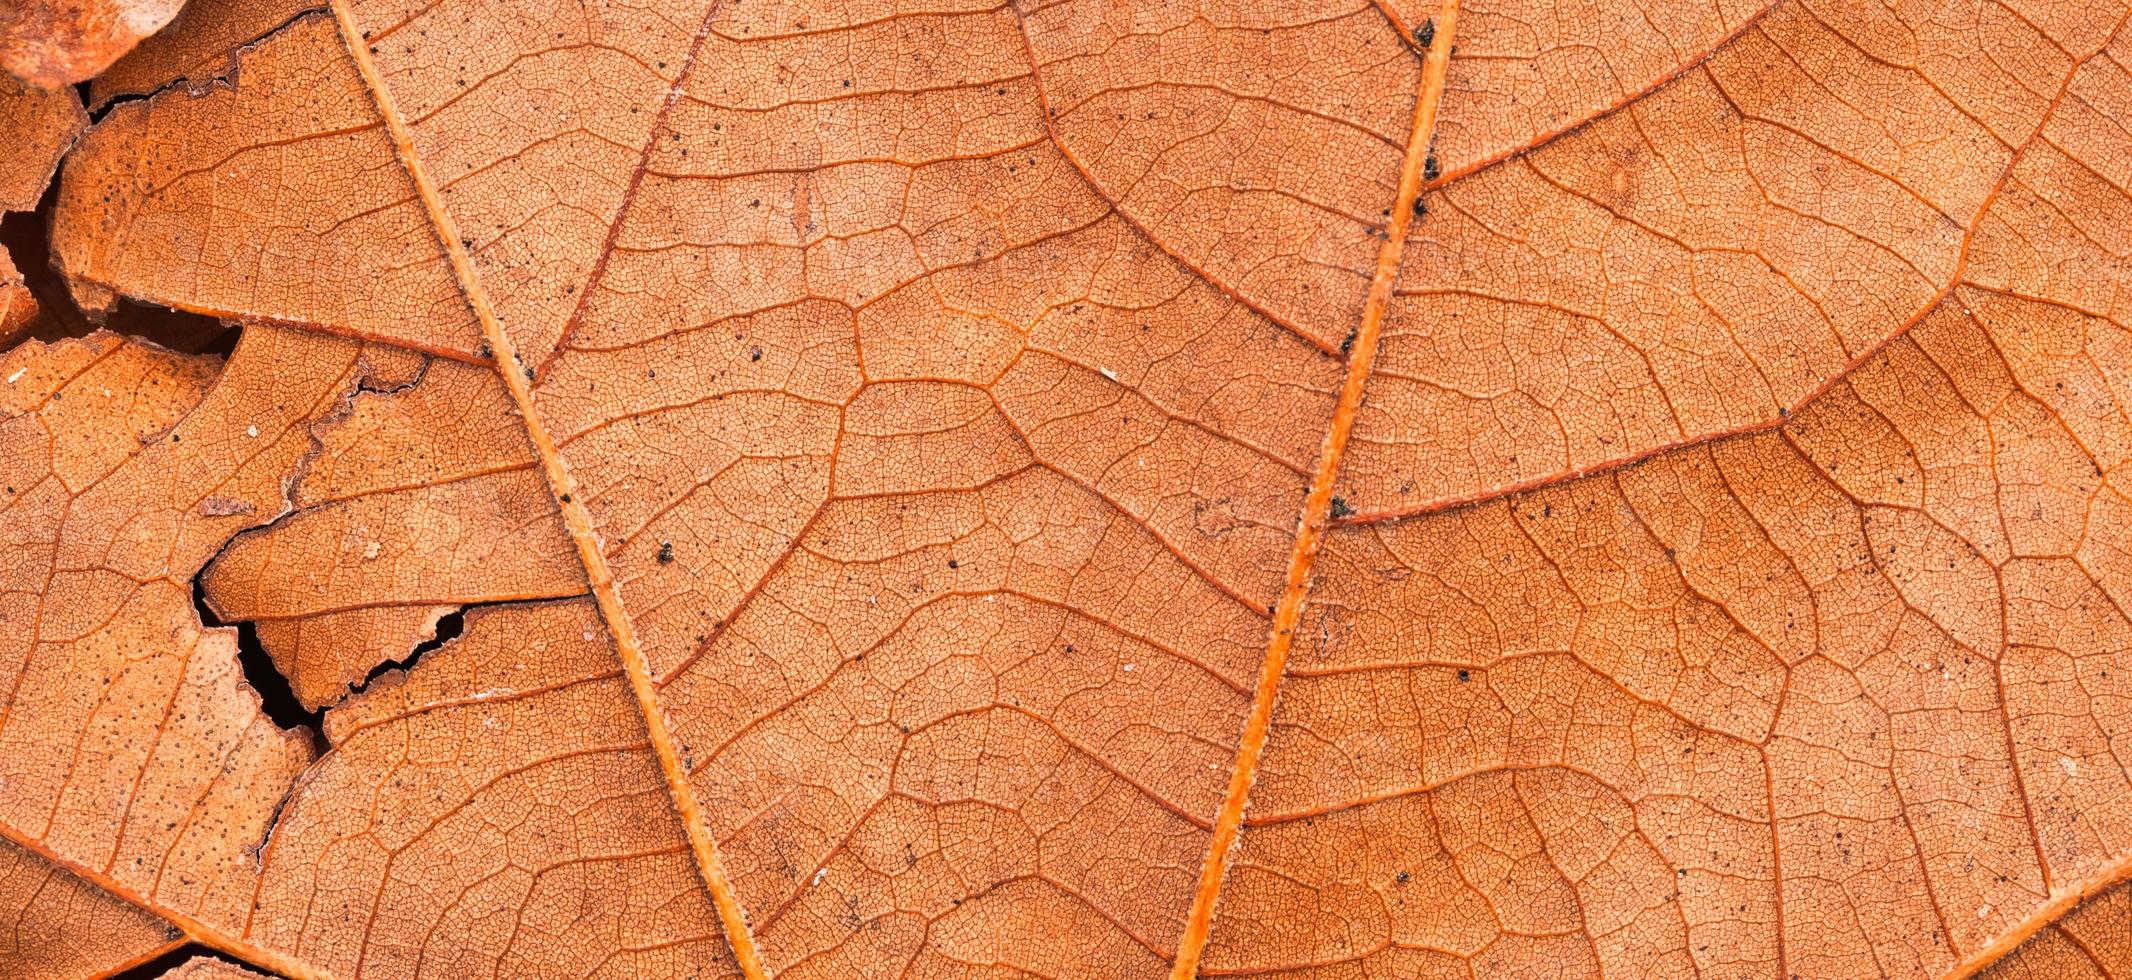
(1317, 502)
(576, 518)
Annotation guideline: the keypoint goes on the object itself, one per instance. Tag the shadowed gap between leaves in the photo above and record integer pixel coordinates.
(98, 112)
(176, 956)
(27, 237)
(277, 699)
(223, 74)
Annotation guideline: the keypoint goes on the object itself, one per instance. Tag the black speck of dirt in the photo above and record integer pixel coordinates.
(666, 552)
(1425, 35)
(1341, 508)
(1464, 676)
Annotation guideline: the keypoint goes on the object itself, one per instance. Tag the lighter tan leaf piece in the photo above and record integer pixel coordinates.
(38, 126)
(303, 221)
(204, 968)
(1095, 489)
(55, 43)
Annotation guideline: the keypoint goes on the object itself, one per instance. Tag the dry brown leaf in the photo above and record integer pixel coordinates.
(1095, 488)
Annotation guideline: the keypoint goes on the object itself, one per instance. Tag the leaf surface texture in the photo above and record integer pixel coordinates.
(1324, 489)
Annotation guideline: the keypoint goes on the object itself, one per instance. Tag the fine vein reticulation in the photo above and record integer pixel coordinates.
(1318, 503)
(517, 381)
(1087, 488)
